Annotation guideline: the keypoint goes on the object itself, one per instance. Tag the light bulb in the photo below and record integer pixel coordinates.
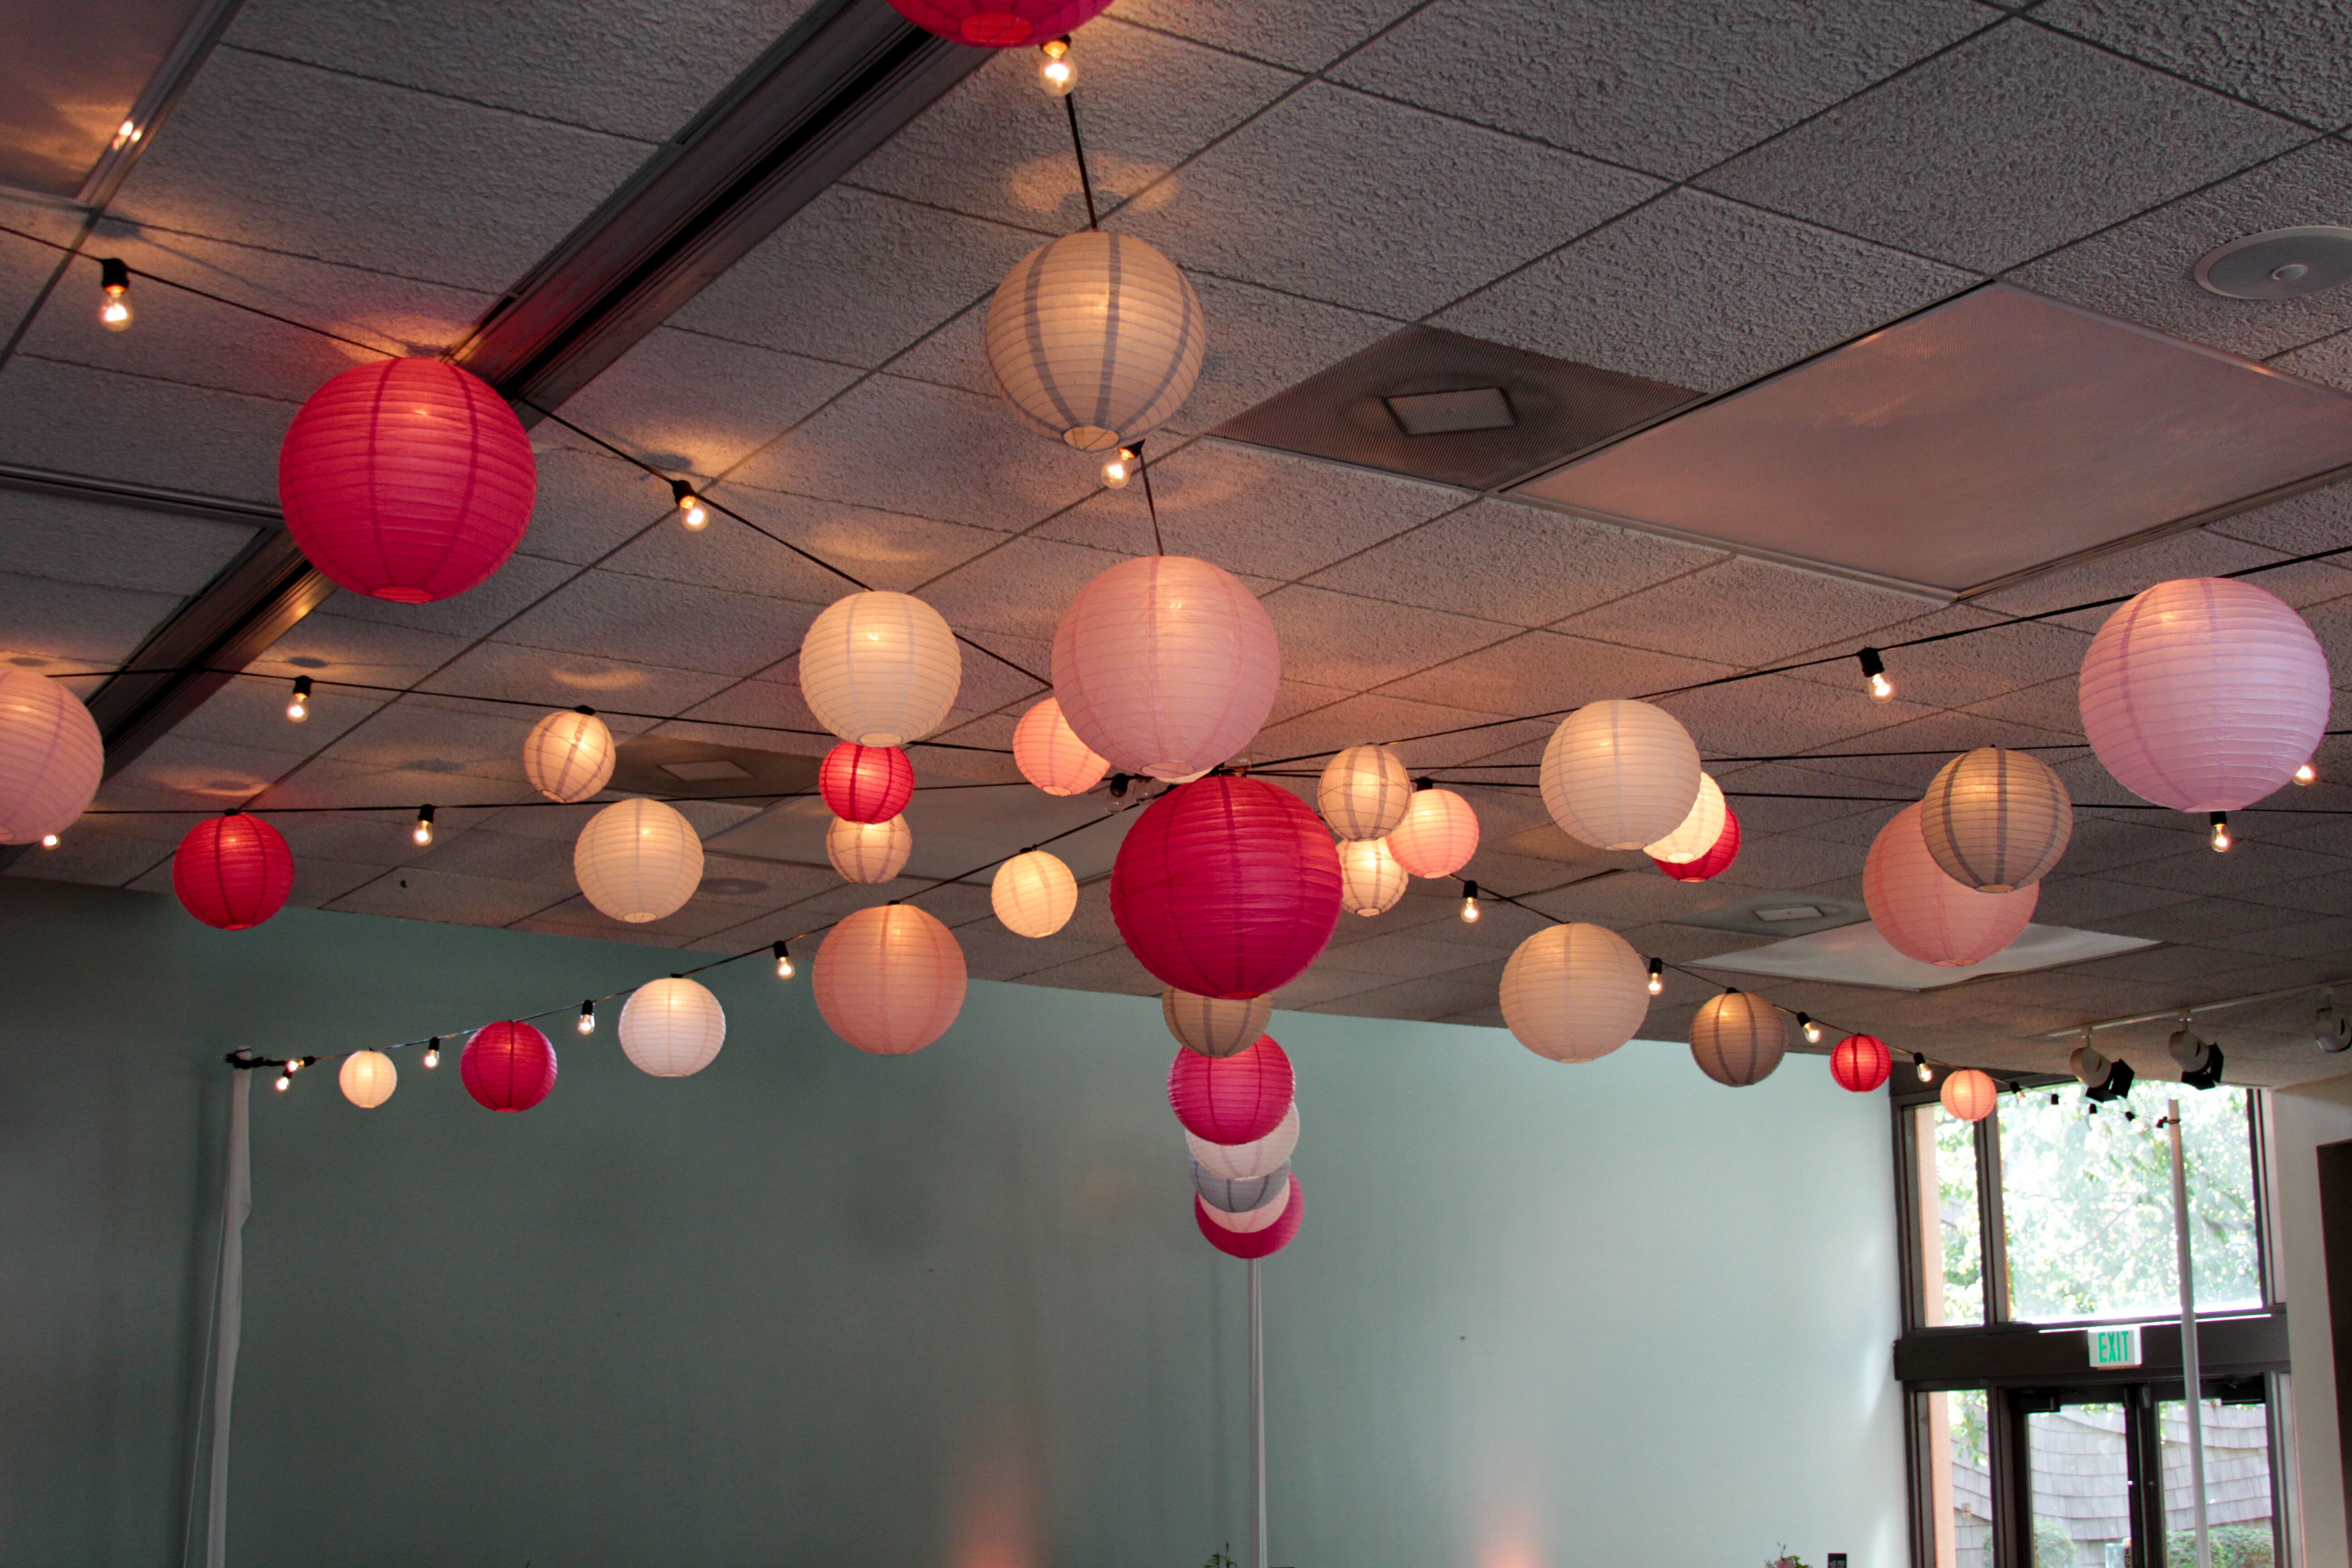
(284, 1079)
(1873, 675)
(1470, 903)
(433, 1052)
(294, 1067)
(2220, 821)
(1118, 471)
(298, 707)
(1657, 976)
(695, 514)
(1927, 1073)
(114, 284)
(2307, 774)
(422, 832)
(49, 841)
(783, 963)
(1812, 1030)
(1057, 73)
(587, 1017)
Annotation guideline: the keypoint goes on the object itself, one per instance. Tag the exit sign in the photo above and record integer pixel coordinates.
(2115, 1347)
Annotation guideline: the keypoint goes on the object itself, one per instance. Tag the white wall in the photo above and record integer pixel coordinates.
(2300, 1121)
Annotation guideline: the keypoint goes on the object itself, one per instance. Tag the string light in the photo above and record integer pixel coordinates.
(587, 1017)
(114, 282)
(1470, 903)
(1812, 1029)
(1057, 73)
(783, 962)
(1927, 1073)
(1873, 675)
(285, 1079)
(433, 1052)
(1657, 976)
(422, 832)
(2220, 821)
(297, 706)
(695, 514)
(49, 841)
(2307, 774)
(1119, 469)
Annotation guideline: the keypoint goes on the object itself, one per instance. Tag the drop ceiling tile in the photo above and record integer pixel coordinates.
(2198, 553)
(81, 421)
(1454, 205)
(595, 928)
(112, 546)
(1774, 715)
(1669, 88)
(1970, 670)
(1320, 983)
(697, 405)
(251, 711)
(1339, 640)
(104, 851)
(701, 917)
(1544, 672)
(324, 645)
(768, 714)
(2327, 361)
(2250, 867)
(2054, 705)
(560, 679)
(1262, 341)
(1786, 860)
(1113, 970)
(1417, 999)
(1305, 38)
(380, 838)
(2315, 520)
(26, 265)
(515, 587)
(2010, 145)
(183, 772)
(2288, 57)
(418, 893)
(880, 548)
(2168, 965)
(2323, 937)
(76, 622)
(993, 953)
(1701, 292)
(1755, 612)
(1379, 718)
(406, 737)
(1625, 899)
(589, 502)
(677, 625)
(1021, 587)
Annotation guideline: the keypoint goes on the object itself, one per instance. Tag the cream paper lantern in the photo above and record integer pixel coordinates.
(1996, 820)
(569, 756)
(1250, 1220)
(1619, 774)
(880, 669)
(637, 860)
(1438, 836)
(1214, 1026)
(1371, 880)
(1700, 829)
(1050, 755)
(889, 980)
(50, 757)
(1166, 665)
(1969, 1095)
(367, 1078)
(672, 1027)
(1229, 1196)
(1923, 913)
(1033, 894)
(868, 851)
(1575, 992)
(1240, 1162)
(1095, 339)
(1363, 793)
(1738, 1040)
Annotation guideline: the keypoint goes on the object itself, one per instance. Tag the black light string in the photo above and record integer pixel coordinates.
(506, 805)
(1079, 147)
(1151, 503)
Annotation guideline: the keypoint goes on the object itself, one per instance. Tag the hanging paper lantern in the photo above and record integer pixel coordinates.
(407, 479)
(569, 756)
(869, 851)
(672, 1027)
(1033, 894)
(1860, 1063)
(1243, 1161)
(1712, 864)
(999, 23)
(1575, 992)
(1095, 339)
(1241, 1221)
(1738, 1040)
(1050, 755)
(1996, 820)
(1923, 913)
(1254, 1243)
(50, 757)
(1371, 880)
(1438, 836)
(508, 1067)
(367, 1078)
(1240, 1194)
(1619, 775)
(1237, 1099)
(1214, 1025)
(1969, 1095)
(866, 784)
(880, 669)
(1165, 664)
(889, 979)
(1228, 887)
(1701, 829)
(233, 872)
(2204, 694)
(1363, 793)
(637, 860)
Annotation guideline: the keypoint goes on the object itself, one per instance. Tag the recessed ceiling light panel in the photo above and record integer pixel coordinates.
(1449, 413)
(2279, 263)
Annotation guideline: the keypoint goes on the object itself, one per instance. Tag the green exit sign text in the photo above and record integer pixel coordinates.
(2115, 1347)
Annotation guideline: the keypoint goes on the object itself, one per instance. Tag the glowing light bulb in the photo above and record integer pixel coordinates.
(1119, 469)
(114, 283)
(298, 708)
(1657, 976)
(295, 1066)
(1873, 675)
(694, 514)
(1057, 73)
(284, 1079)
(49, 841)
(1470, 903)
(2307, 774)
(423, 831)
(783, 963)
(1812, 1030)
(587, 1017)
(433, 1052)
(1927, 1073)
(2220, 821)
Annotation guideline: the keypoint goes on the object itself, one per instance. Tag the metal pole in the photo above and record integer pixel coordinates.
(1257, 1425)
(2192, 1376)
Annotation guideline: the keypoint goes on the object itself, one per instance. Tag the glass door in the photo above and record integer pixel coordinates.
(2240, 1523)
(2108, 1475)
(2083, 1483)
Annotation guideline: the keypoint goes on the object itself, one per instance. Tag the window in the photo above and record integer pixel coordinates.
(1949, 1221)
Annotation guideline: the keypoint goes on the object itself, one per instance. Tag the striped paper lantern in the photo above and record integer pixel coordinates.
(1575, 992)
(1241, 1221)
(637, 860)
(1253, 1242)
(869, 851)
(569, 756)
(1860, 1063)
(1371, 880)
(233, 872)
(1438, 835)
(1925, 915)
(1969, 1095)
(866, 784)
(51, 758)
(1214, 1025)
(999, 23)
(1095, 339)
(1738, 1040)
(1363, 793)
(1050, 755)
(1240, 1194)
(1241, 1161)
(673, 1028)
(1237, 1099)
(1996, 820)
(1619, 775)
(889, 980)
(880, 669)
(507, 1066)
(1712, 864)
(1033, 894)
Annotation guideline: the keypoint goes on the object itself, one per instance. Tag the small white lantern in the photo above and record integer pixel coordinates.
(1371, 880)
(1240, 1162)
(1363, 793)
(637, 860)
(367, 1078)
(1095, 339)
(50, 757)
(1699, 830)
(569, 756)
(880, 669)
(672, 1027)
(1996, 820)
(868, 851)
(1619, 774)
(1050, 755)
(1738, 1040)
(889, 980)
(1575, 992)
(1214, 1026)
(1033, 894)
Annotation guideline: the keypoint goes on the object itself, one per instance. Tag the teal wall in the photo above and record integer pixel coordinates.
(813, 1306)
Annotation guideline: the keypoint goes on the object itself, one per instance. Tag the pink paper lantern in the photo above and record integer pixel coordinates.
(1253, 1242)
(2204, 694)
(1438, 836)
(999, 23)
(866, 784)
(233, 872)
(1050, 755)
(1860, 1063)
(1712, 864)
(1226, 887)
(1923, 913)
(407, 479)
(508, 1067)
(890, 979)
(1231, 1100)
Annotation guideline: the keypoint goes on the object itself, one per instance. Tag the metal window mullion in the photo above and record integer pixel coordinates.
(1992, 1245)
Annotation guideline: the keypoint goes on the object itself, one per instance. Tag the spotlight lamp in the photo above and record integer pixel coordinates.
(1873, 675)
(2199, 1059)
(2331, 1026)
(2101, 1079)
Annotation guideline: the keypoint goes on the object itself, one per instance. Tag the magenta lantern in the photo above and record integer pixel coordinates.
(1253, 1242)
(233, 872)
(866, 784)
(1226, 887)
(1231, 1100)
(999, 23)
(1713, 863)
(1860, 1063)
(508, 1067)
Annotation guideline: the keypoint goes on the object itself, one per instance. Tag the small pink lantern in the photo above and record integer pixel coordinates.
(1924, 915)
(507, 1066)
(1229, 1099)
(1253, 1242)
(1050, 755)
(1438, 836)
(1969, 1095)
(866, 784)
(999, 23)
(1860, 1063)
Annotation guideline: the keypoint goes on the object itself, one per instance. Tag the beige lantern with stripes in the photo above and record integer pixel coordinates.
(1095, 339)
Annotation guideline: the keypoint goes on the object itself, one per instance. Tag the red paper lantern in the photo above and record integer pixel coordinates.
(508, 1067)
(1231, 1100)
(1226, 887)
(1713, 863)
(407, 479)
(999, 23)
(866, 784)
(233, 872)
(1253, 1242)
(1860, 1063)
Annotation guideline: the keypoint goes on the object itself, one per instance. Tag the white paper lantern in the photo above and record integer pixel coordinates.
(1242, 1160)
(1923, 913)
(1254, 1220)
(1095, 339)
(889, 980)
(367, 1078)
(1214, 1026)
(1231, 1196)
(672, 1027)
(1438, 836)
(1738, 1040)
(2204, 694)
(1050, 755)
(1619, 775)
(880, 669)
(1699, 830)
(50, 757)
(1363, 793)
(1996, 820)
(868, 851)
(637, 860)
(1166, 665)
(1371, 880)
(1033, 894)
(1575, 992)
(569, 756)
